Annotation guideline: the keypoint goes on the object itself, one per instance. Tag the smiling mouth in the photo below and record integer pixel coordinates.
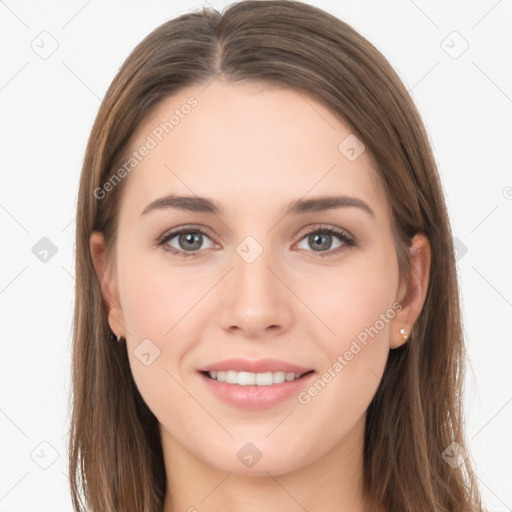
(254, 379)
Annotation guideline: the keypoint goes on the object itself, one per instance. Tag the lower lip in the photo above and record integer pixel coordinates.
(255, 397)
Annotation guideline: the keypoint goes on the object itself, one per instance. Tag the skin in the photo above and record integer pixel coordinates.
(254, 149)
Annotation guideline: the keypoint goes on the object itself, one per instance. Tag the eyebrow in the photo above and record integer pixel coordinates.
(300, 206)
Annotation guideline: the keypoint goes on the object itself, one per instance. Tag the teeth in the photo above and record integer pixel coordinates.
(251, 379)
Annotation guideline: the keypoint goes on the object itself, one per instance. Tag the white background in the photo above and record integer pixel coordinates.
(47, 108)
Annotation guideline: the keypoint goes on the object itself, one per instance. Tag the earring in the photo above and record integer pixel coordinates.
(115, 337)
(404, 335)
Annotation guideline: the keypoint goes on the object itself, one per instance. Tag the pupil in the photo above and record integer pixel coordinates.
(315, 240)
(189, 238)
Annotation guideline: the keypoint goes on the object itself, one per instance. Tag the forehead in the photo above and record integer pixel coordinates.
(252, 141)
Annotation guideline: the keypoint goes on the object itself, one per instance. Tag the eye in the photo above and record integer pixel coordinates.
(189, 242)
(321, 240)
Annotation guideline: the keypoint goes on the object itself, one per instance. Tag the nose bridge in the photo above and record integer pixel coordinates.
(251, 272)
(252, 275)
(257, 298)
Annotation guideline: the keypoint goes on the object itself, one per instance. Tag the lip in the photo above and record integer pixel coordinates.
(259, 366)
(255, 397)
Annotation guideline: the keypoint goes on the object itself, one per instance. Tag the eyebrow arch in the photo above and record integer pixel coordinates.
(323, 203)
(300, 206)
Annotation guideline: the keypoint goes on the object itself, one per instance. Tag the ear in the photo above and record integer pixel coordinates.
(108, 283)
(412, 293)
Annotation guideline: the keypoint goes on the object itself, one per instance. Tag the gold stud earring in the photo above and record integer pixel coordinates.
(404, 335)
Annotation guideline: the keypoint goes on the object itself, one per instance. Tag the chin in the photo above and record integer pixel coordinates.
(256, 458)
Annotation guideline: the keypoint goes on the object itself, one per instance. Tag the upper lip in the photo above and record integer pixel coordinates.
(259, 366)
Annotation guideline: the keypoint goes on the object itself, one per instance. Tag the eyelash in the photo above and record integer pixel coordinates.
(343, 236)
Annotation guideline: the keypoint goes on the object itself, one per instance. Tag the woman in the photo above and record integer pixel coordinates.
(266, 308)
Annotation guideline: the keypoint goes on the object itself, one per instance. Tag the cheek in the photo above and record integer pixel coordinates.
(164, 314)
(354, 300)
(357, 306)
(155, 298)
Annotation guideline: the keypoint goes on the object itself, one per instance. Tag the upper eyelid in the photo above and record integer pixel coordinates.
(326, 227)
(168, 235)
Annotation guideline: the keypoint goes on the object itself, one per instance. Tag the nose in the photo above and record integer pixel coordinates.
(255, 299)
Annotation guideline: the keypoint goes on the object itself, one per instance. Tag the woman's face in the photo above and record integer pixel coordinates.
(263, 281)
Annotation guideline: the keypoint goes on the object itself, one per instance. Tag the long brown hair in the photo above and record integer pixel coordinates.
(115, 455)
